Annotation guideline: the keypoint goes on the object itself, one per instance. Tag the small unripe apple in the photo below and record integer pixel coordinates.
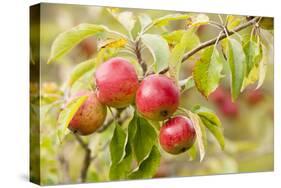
(229, 109)
(177, 135)
(157, 97)
(90, 116)
(266, 23)
(117, 83)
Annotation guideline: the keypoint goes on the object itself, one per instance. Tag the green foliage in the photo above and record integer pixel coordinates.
(80, 70)
(118, 145)
(149, 166)
(186, 84)
(253, 54)
(188, 41)
(126, 19)
(159, 49)
(145, 21)
(212, 122)
(171, 17)
(144, 135)
(122, 169)
(192, 152)
(237, 63)
(201, 137)
(139, 144)
(67, 114)
(197, 20)
(207, 71)
(69, 39)
(133, 146)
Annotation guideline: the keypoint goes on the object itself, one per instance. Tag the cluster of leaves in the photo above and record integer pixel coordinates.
(135, 150)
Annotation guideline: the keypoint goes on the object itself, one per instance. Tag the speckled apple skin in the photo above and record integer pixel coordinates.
(117, 83)
(177, 135)
(157, 97)
(90, 116)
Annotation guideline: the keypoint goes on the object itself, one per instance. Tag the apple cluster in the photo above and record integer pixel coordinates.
(156, 98)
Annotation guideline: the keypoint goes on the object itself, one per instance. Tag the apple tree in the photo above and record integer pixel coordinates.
(133, 89)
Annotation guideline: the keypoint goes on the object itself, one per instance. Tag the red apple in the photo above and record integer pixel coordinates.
(177, 135)
(90, 116)
(117, 83)
(228, 108)
(218, 96)
(157, 97)
(254, 97)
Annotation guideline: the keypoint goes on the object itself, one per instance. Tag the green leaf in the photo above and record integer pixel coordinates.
(253, 55)
(267, 56)
(192, 152)
(197, 20)
(252, 78)
(159, 49)
(171, 17)
(69, 39)
(173, 37)
(207, 113)
(188, 41)
(122, 169)
(207, 71)
(143, 139)
(67, 114)
(145, 20)
(117, 145)
(126, 19)
(148, 167)
(200, 130)
(186, 84)
(233, 21)
(212, 122)
(237, 62)
(80, 70)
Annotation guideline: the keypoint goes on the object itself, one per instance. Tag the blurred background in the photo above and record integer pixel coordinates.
(248, 123)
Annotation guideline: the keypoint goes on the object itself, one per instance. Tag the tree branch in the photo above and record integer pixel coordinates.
(223, 36)
(213, 41)
(87, 158)
(140, 60)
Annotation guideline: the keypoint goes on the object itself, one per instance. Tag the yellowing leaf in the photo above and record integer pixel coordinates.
(112, 43)
(212, 122)
(67, 114)
(173, 37)
(201, 137)
(207, 71)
